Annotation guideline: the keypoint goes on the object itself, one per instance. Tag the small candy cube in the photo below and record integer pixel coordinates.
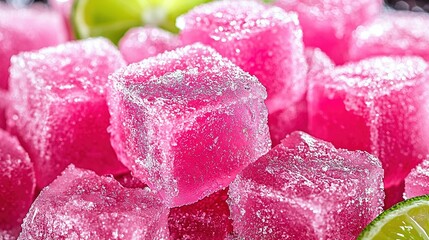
(417, 182)
(58, 107)
(143, 42)
(305, 188)
(81, 205)
(186, 122)
(17, 184)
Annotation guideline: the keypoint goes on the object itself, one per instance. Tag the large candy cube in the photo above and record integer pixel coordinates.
(329, 24)
(417, 182)
(58, 107)
(17, 185)
(143, 42)
(82, 205)
(392, 33)
(186, 122)
(25, 30)
(379, 105)
(305, 188)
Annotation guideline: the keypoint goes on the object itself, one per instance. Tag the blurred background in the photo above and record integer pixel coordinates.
(407, 5)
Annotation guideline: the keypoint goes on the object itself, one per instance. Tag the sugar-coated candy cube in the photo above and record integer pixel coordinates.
(58, 107)
(264, 41)
(379, 105)
(317, 62)
(82, 205)
(205, 219)
(25, 30)
(143, 42)
(17, 184)
(392, 33)
(328, 24)
(305, 188)
(4, 102)
(417, 182)
(187, 121)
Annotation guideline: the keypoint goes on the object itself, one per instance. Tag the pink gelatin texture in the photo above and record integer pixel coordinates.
(25, 30)
(305, 188)
(58, 107)
(82, 205)
(186, 122)
(17, 184)
(4, 103)
(205, 219)
(328, 24)
(392, 33)
(264, 41)
(379, 105)
(417, 182)
(143, 42)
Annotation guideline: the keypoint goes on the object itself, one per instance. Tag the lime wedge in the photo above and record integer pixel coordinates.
(406, 220)
(113, 18)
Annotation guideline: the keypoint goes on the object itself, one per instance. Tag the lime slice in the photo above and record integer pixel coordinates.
(406, 220)
(113, 18)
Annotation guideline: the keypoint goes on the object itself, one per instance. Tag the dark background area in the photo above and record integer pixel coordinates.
(411, 5)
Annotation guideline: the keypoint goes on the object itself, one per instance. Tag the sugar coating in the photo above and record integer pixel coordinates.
(305, 188)
(264, 41)
(416, 183)
(294, 117)
(58, 107)
(143, 42)
(4, 103)
(24, 30)
(392, 33)
(328, 24)
(205, 219)
(378, 105)
(17, 184)
(187, 121)
(82, 205)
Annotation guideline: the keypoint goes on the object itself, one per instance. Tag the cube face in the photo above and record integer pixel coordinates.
(58, 108)
(17, 185)
(173, 128)
(336, 21)
(33, 28)
(378, 105)
(143, 42)
(393, 33)
(416, 183)
(304, 188)
(264, 41)
(82, 205)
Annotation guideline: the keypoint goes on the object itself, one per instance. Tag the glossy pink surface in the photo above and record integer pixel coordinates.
(186, 122)
(305, 188)
(58, 107)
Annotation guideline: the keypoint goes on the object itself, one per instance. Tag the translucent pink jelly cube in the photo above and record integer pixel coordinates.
(64, 8)
(305, 188)
(143, 42)
(58, 107)
(205, 219)
(417, 182)
(379, 105)
(392, 33)
(294, 117)
(186, 122)
(82, 205)
(264, 41)
(4, 103)
(328, 24)
(24, 30)
(17, 185)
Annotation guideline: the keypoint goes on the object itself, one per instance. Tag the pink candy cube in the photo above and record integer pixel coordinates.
(328, 24)
(393, 33)
(17, 185)
(186, 122)
(81, 205)
(379, 105)
(25, 30)
(143, 42)
(417, 182)
(305, 188)
(58, 107)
